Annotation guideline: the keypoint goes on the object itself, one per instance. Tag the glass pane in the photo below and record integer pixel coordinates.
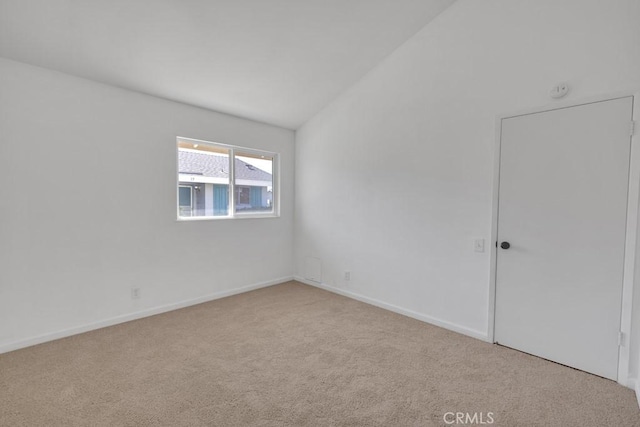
(203, 169)
(253, 183)
(185, 197)
(184, 201)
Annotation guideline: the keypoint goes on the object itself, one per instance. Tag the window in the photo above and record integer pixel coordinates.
(253, 179)
(224, 181)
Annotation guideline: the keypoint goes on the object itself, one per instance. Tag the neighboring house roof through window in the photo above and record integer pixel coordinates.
(217, 166)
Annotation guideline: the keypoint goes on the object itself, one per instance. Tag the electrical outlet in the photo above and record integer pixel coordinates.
(135, 293)
(347, 276)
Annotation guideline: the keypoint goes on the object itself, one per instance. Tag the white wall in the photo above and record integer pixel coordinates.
(88, 205)
(394, 179)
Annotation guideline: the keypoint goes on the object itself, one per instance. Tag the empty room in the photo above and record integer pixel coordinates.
(319, 213)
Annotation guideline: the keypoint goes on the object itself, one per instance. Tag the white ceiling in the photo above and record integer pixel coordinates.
(276, 61)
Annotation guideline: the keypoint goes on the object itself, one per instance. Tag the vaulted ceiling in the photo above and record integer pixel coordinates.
(275, 61)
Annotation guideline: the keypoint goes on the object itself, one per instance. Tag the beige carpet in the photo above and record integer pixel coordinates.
(294, 355)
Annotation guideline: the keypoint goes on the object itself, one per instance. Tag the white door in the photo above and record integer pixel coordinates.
(564, 177)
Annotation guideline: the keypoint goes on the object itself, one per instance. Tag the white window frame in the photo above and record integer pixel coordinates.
(232, 149)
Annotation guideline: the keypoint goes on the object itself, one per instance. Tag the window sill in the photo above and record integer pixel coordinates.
(217, 218)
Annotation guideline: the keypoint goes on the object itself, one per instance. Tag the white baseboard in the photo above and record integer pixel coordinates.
(409, 313)
(634, 384)
(15, 345)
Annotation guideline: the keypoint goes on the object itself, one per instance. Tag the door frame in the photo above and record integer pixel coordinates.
(633, 199)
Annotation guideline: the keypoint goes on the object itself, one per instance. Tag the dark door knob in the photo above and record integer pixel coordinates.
(505, 245)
